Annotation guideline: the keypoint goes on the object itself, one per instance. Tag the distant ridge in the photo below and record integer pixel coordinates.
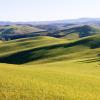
(80, 20)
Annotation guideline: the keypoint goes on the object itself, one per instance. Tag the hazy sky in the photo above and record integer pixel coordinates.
(39, 10)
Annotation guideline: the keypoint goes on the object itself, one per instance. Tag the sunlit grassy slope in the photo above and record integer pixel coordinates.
(45, 68)
(73, 80)
(14, 46)
(46, 49)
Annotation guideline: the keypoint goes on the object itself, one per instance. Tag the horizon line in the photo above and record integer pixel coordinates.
(51, 20)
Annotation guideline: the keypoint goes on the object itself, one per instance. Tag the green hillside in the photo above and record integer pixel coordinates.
(46, 49)
(14, 46)
(19, 29)
(75, 32)
(71, 32)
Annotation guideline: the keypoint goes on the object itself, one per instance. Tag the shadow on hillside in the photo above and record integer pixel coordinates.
(42, 52)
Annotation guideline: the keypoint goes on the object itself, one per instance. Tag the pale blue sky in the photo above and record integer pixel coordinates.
(40, 10)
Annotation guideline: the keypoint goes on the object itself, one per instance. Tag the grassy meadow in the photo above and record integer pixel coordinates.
(52, 69)
(71, 80)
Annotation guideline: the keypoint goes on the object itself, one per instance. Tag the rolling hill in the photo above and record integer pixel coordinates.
(36, 51)
(67, 31)
(76, 31)
(10, 32)
(19, 29)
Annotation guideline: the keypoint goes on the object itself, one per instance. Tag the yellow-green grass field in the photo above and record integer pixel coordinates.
(73, 80)
(46, 68)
